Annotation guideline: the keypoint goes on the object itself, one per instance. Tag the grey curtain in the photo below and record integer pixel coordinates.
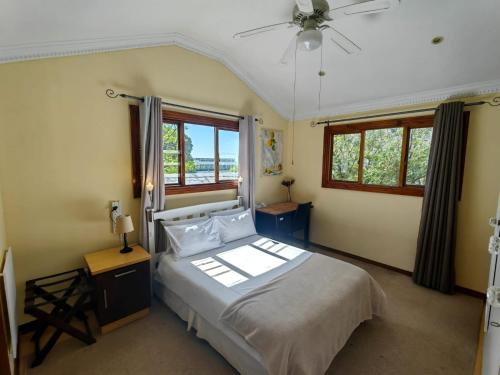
(151, 133)
(247, 161)
(435, 261)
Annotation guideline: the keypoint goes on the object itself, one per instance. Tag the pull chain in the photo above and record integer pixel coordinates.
(321, 74)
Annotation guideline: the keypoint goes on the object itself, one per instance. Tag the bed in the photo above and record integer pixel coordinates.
(265, 306)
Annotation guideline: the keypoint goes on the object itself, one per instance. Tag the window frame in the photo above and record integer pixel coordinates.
(360, 128)
(180, 118)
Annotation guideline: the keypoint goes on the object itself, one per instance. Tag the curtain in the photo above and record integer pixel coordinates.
(151, 134)
(247, 162)
(434, 264)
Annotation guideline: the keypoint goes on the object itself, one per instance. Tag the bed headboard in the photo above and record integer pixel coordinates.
(199, 210)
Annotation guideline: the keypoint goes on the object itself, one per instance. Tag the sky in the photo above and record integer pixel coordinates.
(203, 142)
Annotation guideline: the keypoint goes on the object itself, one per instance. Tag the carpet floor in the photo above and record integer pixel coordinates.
(424, 333)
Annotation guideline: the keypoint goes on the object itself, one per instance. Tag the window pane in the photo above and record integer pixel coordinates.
(345, 158)
(382, 156)
(171, 153)
(418, 155)
(229, 142)
(199, 154)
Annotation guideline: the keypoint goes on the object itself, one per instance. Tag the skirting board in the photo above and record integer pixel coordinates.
(459, 289)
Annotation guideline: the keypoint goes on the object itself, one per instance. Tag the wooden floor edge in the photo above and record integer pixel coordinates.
(478, 364)
(460, 289)
(124, 321)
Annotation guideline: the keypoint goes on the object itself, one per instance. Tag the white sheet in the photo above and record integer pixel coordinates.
(203, 293)
(207, 298)
(251, 260)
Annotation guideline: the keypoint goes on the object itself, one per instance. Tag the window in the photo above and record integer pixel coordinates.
(385, 156)
(199, 153)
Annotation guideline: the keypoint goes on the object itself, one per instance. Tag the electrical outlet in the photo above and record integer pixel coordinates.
(116, 210)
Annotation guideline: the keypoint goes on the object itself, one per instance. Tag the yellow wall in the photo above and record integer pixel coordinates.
(384, 227)
(3, 237)
(66, 146)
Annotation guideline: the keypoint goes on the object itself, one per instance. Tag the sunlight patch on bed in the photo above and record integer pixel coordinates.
(250, 260)
(219, 272)
(278, 248)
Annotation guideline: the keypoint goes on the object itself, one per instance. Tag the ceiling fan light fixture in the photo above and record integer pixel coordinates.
(309, 40)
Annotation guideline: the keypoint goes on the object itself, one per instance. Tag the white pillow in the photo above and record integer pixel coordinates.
(194, 238)
(168, 223)
(234, 227)
(227, 212)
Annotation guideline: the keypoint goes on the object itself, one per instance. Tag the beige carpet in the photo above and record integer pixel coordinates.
(425, 333)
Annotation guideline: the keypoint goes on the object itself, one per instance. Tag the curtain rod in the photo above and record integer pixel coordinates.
(111, 94)
(495, 102)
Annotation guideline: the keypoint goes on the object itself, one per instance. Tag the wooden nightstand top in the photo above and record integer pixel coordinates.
(110, 259)
(279, 208)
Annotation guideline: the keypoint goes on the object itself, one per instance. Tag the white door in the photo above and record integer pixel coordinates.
(491, 350)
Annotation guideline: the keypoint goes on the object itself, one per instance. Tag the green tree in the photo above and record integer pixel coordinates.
(382, 156)
(171, 150)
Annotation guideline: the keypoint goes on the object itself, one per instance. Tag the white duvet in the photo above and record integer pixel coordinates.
(262, 302)
(299, 321)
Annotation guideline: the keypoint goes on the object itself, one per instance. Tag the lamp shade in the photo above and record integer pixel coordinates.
(124, 224)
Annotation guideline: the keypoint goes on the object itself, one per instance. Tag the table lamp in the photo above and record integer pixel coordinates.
(123, 226)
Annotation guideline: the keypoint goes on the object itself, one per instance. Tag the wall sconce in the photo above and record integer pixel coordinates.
(149, 188)
(240, 181)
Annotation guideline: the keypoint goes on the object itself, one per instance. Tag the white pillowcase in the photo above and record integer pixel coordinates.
(168, 223)
(234, 227)
(227, 212)
(193, 238)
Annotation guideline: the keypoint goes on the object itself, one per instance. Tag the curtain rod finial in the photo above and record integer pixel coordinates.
(110, 93)
(495, 102)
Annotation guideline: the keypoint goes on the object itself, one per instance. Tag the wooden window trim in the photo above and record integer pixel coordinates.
(179, 119)
(359, 128)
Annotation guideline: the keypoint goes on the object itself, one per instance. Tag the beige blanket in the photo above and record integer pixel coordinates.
(300, 320)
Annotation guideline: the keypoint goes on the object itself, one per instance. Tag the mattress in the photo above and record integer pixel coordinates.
(190, 288)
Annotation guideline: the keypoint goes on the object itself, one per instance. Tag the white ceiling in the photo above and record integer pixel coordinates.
(398, 64)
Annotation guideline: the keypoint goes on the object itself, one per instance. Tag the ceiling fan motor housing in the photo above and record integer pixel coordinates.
(320, 14)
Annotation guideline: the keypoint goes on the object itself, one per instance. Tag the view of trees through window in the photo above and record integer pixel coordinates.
(388, 156)
(345, 157)
(418, 154)
(381, 156)
(171, 153)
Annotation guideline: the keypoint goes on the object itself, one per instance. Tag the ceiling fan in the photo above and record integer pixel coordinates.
(311, 17)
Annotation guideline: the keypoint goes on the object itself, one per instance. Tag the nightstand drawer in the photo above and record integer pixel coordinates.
(122, 291)
(284, 223)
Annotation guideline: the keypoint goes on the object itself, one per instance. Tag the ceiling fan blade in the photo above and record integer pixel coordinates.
(343, 42)
(289, 52)
(364, 7)
(305, 6)
(263, 29)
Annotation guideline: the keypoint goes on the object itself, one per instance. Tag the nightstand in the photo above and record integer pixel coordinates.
(123, 285)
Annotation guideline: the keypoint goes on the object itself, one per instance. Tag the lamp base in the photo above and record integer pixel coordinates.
(126, 250)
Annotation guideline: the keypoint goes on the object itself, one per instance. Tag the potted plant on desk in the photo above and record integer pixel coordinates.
(288, 182)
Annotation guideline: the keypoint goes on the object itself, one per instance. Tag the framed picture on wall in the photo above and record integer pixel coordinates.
(271, 152)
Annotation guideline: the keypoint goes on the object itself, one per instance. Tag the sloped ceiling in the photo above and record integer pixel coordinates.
(398, 64)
